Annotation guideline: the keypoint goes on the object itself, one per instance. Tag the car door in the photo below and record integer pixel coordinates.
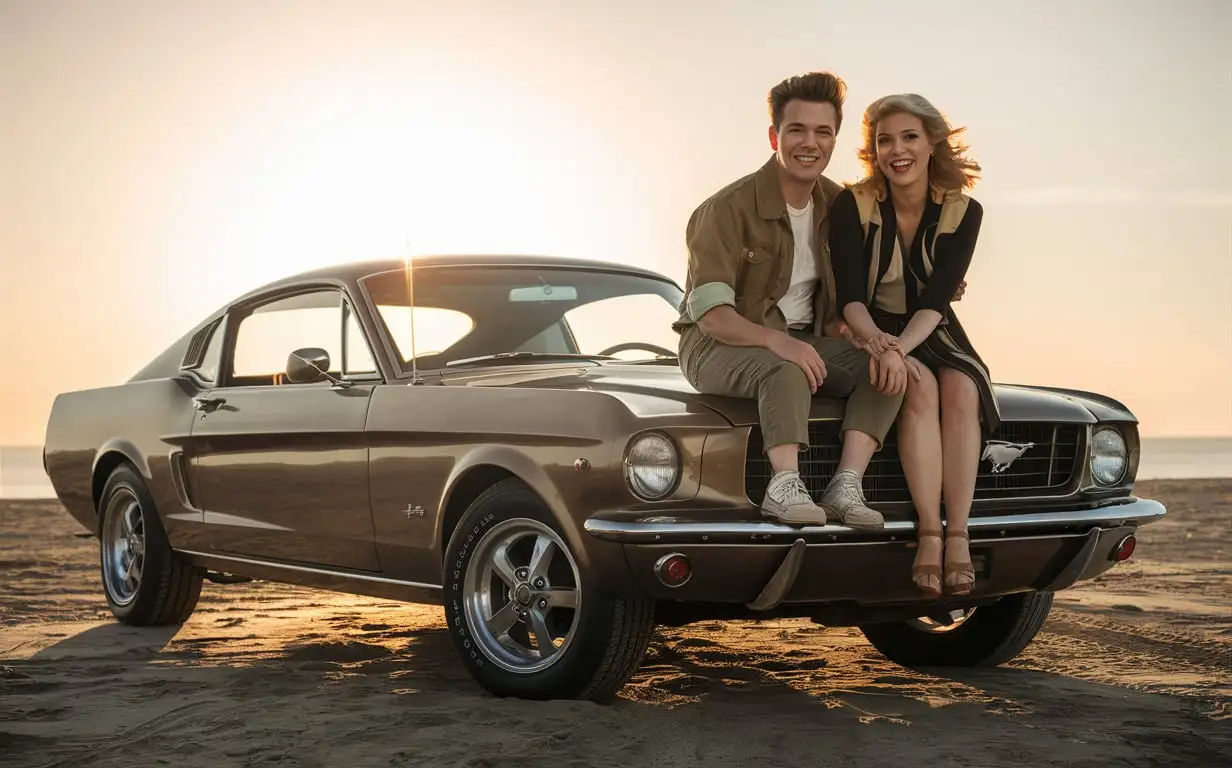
(280, 467)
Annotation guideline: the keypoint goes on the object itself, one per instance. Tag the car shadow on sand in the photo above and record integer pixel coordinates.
(404, 695)
(1180, 730)
(110, 640)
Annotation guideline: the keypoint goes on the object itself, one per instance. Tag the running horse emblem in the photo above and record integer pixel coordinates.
(1002, 454)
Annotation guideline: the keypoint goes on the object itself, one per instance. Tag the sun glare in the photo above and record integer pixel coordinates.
(389, 170)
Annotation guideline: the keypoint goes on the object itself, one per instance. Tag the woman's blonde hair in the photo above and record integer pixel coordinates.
(948, 168)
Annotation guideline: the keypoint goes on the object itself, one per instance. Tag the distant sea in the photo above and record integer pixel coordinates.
(22, 476)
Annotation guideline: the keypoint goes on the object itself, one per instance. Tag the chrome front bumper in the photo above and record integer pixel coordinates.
(763, 565)
(670, 530)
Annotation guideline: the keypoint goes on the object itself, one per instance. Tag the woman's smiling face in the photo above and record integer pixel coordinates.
(903, 149)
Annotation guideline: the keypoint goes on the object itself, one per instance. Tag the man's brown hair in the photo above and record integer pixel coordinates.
(821, 87)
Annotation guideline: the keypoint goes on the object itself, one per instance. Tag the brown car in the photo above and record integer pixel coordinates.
(511, 438)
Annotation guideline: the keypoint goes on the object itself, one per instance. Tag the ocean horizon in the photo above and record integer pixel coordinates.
(1163, 458)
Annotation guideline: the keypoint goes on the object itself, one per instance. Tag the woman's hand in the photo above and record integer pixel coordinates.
(880, 343)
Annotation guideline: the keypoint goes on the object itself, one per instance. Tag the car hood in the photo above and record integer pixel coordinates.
(663, 389)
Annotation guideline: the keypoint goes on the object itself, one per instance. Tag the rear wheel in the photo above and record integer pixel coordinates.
(978, 637)
(144, 581)
(522, 617)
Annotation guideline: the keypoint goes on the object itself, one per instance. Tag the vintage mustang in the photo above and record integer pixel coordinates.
(512, 438)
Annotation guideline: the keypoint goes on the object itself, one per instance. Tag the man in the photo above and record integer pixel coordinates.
(759, 317)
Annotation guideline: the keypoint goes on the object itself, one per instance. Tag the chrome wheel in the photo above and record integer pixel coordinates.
(945, 622)
(521, 594)
(123, 547)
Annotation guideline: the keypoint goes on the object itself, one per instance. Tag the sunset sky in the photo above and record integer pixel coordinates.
(158, 157)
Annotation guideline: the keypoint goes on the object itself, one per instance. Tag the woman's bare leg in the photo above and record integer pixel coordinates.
(919, 448)
(960, 440)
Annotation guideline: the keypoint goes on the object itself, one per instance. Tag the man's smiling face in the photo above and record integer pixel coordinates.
(805, 140)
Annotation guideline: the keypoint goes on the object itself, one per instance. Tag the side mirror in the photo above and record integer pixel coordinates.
(307, 365)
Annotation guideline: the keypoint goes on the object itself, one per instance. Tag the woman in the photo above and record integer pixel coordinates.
(901, 241)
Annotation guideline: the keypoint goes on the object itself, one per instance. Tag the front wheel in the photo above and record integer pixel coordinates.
(978, 637)
(519, 610)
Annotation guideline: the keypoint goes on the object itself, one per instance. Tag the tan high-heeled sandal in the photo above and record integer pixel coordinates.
(922, 575)
(959, 575)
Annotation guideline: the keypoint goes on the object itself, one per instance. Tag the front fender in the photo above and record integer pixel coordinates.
(604, 564)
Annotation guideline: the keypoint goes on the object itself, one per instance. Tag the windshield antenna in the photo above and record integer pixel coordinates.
(410, 290)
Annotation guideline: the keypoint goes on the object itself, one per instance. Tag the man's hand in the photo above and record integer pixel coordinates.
(836, 329)
(888, 372)
(915, 369)
(802, 354)
(839, 329)
(962, 288)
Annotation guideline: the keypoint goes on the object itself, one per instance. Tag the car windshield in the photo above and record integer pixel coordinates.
(464, 312)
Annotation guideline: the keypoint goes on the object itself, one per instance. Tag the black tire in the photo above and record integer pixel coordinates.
(168, 588)
(610, 634)
(990, 636)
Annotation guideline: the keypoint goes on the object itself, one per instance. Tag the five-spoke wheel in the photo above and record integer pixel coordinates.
(522, 615)
(521, 593)
(123, 546)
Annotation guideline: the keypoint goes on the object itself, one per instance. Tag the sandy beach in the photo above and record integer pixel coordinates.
(1134, 669)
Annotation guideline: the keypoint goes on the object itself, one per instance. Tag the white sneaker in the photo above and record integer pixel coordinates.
(844, 500)
(788, 501)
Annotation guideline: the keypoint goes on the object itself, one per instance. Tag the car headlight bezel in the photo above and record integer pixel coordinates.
(652, 466)
(1108, 456)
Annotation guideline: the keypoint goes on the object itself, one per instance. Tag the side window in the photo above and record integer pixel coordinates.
(266, 338)
(358, 358)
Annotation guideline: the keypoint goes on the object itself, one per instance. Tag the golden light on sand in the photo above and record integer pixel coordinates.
(1132, 666)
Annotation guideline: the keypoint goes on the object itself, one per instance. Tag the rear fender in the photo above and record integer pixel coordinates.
(112, 454)
(118, 449)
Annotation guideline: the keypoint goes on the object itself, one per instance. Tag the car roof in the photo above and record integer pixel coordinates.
(350, 272)
(356, 270)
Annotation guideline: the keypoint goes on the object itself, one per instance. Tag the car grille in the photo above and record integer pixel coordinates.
(1044, 470)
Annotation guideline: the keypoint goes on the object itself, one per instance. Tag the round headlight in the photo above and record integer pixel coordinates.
(652, 466)
(1109, 457)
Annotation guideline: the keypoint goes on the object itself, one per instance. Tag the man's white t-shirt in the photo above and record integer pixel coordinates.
(797, 303)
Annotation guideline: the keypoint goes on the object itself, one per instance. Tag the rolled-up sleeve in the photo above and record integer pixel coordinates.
(847, 251)
(715, 251)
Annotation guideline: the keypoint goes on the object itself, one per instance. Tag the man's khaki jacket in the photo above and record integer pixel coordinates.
(741, 250)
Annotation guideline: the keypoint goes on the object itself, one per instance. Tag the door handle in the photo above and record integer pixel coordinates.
(208, 404)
